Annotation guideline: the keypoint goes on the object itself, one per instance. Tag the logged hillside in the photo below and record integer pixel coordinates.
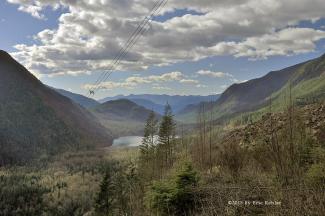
(310, 116)
(35, 120)
(303, 81)
(123, 117)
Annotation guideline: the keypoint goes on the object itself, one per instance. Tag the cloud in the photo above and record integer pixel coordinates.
(134, 81)
(288, 41)
(138, 80)
(161, 88)
(201, 86)
(172, 76)
(33, 10)
(213, 74)
(112, 85)
(189, 81)
(91, 33)
(32, 7)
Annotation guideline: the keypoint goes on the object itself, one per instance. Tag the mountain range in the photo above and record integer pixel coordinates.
(158, 102)
(122, 117)
(306, 80)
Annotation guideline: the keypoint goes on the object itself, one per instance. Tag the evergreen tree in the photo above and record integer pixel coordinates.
(104, 200)
(174, 195)
(167, 135)
(148, 142)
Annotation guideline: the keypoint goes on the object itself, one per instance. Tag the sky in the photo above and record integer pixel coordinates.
(196, 47)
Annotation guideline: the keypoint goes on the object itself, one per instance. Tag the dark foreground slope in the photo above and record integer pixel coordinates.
(35, 119)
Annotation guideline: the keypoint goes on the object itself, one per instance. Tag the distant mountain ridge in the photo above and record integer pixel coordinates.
(78, 98)
(306, 79)
(152, 102)
(177, 102)
(35, 119)
(158, 108)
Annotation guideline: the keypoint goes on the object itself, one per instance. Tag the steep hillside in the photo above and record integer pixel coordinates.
(122, 117)
(79, 99)
(35, 119)
(177, 102)
(306, 80)
(311, 116)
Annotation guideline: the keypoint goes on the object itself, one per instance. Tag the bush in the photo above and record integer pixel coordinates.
(173, 196)
(316, 174)
(233, 157)
(21, 195)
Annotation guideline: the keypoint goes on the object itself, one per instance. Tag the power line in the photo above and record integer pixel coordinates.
(159, 4)
(122, 48)
(131, 42)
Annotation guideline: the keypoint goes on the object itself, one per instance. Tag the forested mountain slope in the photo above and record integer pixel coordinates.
(36, 120)
(303, 81)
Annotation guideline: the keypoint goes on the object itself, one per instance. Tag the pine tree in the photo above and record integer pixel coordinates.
(167, 135)
(148, 142)
(104, 200)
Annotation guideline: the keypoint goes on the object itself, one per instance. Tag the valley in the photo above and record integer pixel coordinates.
(65, 154)
(162, 108)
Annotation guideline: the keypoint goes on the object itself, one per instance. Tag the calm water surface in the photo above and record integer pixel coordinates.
(127, 141)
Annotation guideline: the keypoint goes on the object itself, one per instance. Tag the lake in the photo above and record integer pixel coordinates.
(128, 141)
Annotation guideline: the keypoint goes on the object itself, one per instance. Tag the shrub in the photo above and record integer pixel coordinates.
(21, 195)
(173, 196)
(233, 157)
(316, 174)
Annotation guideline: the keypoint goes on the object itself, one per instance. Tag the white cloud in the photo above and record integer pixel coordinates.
(161, 88)
(172, 76)
(288, 41)
(112, 85)
(137, 80)
(33, 10)
(91, 33)
(201, 86)
(134, 81)
(234, 80)
(189, 81)
(213, 74)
